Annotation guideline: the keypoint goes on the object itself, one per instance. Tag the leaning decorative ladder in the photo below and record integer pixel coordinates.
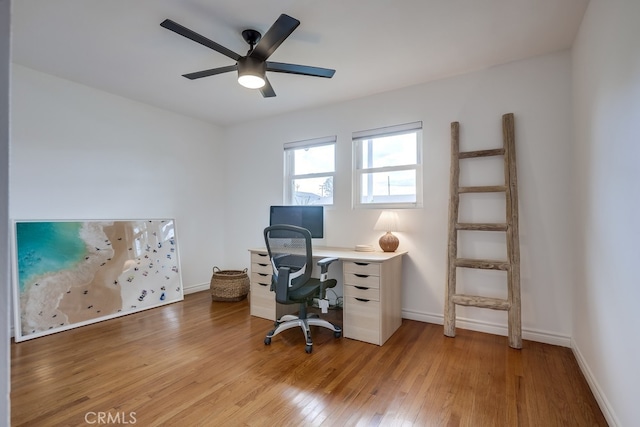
(512, 265)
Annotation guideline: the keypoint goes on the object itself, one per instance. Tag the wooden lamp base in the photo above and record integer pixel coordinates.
(389, 242)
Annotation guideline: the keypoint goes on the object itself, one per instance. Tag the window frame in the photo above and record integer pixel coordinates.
(359, 138)
(289, 167)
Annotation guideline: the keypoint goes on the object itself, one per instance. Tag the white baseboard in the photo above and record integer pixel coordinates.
(490, 328)
(604, 404)
(192, 289)
(422, 317)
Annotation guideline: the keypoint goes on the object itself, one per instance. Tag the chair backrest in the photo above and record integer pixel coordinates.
(289, 246)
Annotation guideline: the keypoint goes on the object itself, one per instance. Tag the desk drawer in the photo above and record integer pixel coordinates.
(363, 268)
(361, 280)
(362, 293)
(260, 258)
(262, 289)
(262, 278)
(263, 303)
(362, 320)
(261, 268)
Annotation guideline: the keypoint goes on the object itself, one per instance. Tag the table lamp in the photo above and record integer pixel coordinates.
(388, 221)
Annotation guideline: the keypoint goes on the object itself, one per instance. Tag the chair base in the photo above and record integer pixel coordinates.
(289, 321)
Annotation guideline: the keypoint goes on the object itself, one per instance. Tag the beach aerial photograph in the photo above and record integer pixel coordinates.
(72, 273)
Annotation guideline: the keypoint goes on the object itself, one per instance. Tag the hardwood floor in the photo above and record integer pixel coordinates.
(198, 363)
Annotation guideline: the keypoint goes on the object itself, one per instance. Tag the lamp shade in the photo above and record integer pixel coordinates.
(388, 221)
(251, 72)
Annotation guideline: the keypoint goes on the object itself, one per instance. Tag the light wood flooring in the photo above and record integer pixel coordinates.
(198, 363)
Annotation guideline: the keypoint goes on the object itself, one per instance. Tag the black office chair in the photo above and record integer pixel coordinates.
(291, 258)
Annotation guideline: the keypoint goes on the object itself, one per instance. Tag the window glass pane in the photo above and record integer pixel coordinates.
(313, 191)
(388, 166)
(395, 150)
(388, 187)
(314, 160)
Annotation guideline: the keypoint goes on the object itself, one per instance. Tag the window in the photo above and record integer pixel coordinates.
(388, 167)
(309, 168)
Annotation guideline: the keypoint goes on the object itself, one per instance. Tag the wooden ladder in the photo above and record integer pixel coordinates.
(512, 265)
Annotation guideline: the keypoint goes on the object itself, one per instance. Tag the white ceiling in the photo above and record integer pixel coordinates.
(375, 45)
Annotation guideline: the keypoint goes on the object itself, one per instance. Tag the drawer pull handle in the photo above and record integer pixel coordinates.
(361, 263)
(361, 275)
(262, 274)
(261, 254)
(362, 299)
(263, 284)
(363, 288)
(263, 265)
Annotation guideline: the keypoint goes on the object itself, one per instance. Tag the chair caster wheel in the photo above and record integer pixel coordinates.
(337, 334)
(308, 348)
(267, 341)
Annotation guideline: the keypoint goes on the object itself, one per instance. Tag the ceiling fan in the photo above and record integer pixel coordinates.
(253, 66)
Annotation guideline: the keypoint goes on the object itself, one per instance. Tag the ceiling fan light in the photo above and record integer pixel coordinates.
(251, 82)
(251, 73)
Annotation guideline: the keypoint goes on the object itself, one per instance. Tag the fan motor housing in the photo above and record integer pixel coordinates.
(253, 66)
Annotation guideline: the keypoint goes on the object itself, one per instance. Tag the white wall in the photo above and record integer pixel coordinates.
(5, 385)
(606, 84)
(537, 91)
(79, 153)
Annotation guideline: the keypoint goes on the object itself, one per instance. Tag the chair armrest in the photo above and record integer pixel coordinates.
(324, 263)
(324, 267)
(282, 285)
(327, 260)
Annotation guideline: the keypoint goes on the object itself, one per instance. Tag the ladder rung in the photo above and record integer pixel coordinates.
(481, 153)
(483, 189)
(482, 302)
(484, 264)
(481, 226)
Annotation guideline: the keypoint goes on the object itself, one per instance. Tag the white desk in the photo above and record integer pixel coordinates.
(372, 309)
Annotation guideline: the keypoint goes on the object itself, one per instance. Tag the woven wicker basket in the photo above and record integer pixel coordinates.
(229, 285)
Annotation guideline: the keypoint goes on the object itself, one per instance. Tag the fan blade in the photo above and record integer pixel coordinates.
(192, 35)
(211, 72)
(267, 90)
(279, 31)
(281, 67)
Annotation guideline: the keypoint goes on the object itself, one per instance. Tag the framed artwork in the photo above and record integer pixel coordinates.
(68, 274)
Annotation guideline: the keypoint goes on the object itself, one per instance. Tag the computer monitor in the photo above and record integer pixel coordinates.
(309, 217)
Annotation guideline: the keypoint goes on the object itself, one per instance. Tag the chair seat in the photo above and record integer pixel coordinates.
(308, 290)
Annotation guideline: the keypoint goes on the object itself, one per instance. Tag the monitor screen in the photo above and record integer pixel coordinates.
(309, 217)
